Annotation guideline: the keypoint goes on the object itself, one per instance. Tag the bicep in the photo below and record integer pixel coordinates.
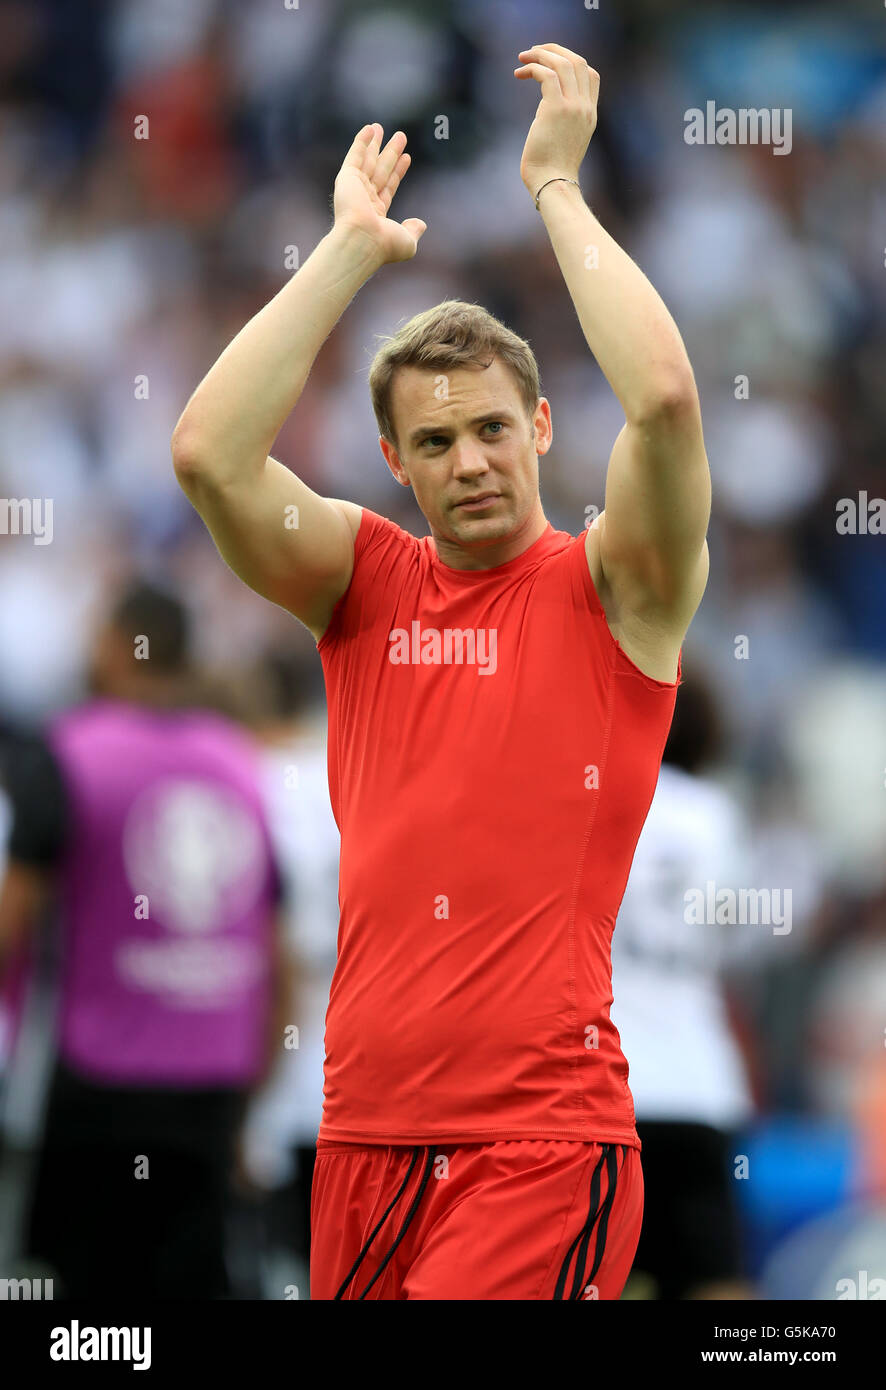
(653, 551)
(284, 540)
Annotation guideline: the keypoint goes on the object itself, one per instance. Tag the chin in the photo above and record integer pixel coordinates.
(470, 524)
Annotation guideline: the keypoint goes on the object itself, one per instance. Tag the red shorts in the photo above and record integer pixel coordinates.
(522, 1219)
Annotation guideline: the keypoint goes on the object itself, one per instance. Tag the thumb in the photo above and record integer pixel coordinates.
(416, 227)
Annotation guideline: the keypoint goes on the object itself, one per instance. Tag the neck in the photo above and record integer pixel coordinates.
(487, 554)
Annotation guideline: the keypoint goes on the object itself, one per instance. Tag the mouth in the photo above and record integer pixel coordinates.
(483, 499)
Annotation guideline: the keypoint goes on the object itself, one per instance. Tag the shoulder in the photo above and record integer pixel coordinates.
(370, 529)
(217, 737)
(352, 513)
(71, 728)
(383, 553)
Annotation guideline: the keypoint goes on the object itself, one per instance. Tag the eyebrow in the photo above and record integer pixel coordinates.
(505, 416)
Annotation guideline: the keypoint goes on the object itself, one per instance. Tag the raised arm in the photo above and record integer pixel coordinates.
(647, 550)
(282, 539)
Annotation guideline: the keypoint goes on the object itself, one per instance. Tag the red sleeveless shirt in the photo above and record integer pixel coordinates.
(492, 755)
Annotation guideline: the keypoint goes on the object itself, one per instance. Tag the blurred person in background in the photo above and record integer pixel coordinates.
(31, 826)
(283, 705)
(172, 974)
(687, 1074)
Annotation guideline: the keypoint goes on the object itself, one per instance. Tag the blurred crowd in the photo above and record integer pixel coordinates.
(162, 168)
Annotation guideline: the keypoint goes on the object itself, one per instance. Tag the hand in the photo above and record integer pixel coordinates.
(566, 117)
(364, 189)
(240, 1172)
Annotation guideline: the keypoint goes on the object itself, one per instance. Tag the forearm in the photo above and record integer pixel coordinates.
(283, 1006)
(237, 411)
(624, 320)
(24, 893)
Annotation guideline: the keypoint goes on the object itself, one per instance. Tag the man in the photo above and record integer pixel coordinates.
(691, 1090)
(499, 696)
(165, 882)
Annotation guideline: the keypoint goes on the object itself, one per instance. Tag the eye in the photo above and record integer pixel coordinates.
(430, 440)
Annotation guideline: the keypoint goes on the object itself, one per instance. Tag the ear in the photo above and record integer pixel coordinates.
(392, 459)
(542, 426)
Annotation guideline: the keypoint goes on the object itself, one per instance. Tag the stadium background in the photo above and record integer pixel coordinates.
(126, 259)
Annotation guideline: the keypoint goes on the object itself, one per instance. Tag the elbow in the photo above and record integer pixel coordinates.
(674, 398)
(188, 457)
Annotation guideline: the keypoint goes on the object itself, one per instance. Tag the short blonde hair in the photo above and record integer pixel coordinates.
(452, 334)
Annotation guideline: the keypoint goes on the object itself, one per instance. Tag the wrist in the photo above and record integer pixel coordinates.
(357, 245)
(557, 178)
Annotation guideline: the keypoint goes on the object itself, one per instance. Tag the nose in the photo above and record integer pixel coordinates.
(469, 463)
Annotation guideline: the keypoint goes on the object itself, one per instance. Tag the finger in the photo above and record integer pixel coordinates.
(561, 66)
(416, 226)
(563, 52)
(388, 159)
(584, 73)
(550, 83)
(588, 77)
(565, 70)
(372, 149)
(387, 193)
(356, 155)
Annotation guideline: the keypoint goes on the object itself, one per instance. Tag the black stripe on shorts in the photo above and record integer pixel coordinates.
(596, 1210)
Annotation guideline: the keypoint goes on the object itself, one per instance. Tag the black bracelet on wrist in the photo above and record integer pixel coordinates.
(558, 178)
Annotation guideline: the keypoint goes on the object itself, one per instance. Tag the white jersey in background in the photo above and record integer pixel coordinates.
(306, 842)
(668, 1006)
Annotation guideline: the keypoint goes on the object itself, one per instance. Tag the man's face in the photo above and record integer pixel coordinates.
(464, 433)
